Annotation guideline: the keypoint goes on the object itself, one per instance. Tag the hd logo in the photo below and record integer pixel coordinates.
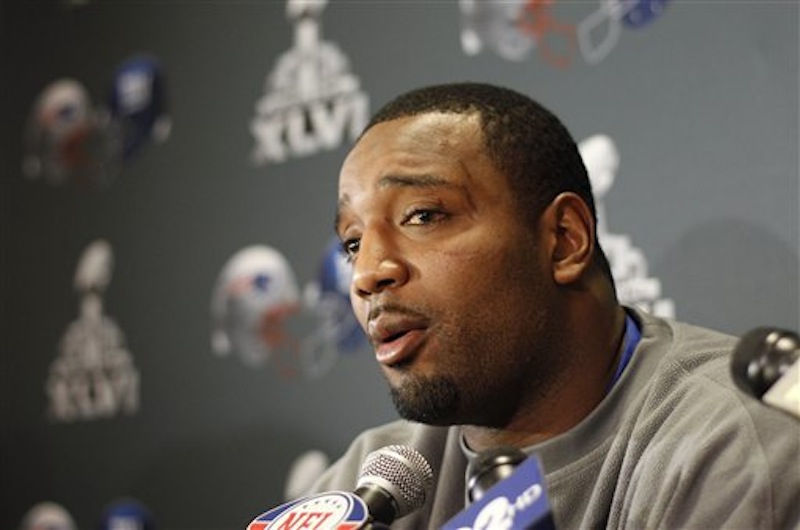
(312, 99)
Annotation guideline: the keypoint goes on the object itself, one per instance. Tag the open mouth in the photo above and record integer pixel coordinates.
(399, 348)
(396, 335)
(392, 337)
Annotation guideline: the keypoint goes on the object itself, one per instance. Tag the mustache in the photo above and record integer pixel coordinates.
(396, 309)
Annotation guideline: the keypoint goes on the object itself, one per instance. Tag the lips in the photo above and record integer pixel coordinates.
(396, 336)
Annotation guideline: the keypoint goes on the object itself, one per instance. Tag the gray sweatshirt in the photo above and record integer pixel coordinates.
(673, 445)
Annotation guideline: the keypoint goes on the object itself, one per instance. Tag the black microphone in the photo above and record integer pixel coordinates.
(394, 481)
(507, 490)
(489, 468)
(766, 365)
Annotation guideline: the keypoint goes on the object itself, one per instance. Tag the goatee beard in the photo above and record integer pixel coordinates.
(432, 400)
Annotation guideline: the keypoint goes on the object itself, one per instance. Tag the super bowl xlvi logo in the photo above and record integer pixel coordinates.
(93, 375)
(312, 100)
(261, 315)
(336, 510)
(69, 139)
(628, 263)
(515, 29)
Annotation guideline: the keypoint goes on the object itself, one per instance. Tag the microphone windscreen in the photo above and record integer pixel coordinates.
(402, 472)
(490, 467)
(761, 356)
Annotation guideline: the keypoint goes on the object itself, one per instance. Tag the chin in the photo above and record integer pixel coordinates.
(429, 400)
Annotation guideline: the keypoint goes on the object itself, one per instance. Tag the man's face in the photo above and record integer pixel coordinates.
(449, 284)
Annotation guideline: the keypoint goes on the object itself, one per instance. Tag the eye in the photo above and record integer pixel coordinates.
(350, 248)
(424, 216)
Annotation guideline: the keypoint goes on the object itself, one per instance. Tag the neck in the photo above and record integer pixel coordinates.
(578, 388)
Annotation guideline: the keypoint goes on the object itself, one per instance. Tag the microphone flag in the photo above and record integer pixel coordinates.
(332, 510)
(784, 394)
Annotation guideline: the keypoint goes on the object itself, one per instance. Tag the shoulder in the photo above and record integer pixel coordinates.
(686, 345)
(706, 443)
(675, 357)
(691, 387)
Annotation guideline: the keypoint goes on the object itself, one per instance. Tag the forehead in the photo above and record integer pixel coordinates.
(447, 146)
(448, 128)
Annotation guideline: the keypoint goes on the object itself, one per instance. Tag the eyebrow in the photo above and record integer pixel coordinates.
(400, 181)
(414, 181)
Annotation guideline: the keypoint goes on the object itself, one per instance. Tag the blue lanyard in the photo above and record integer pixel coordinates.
(631, 339)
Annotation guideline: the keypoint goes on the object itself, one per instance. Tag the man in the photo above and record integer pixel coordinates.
(468, 217)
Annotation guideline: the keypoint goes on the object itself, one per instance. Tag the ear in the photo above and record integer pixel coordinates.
(570, 225)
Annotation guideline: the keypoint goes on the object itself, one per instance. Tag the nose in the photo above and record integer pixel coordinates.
(377, 267)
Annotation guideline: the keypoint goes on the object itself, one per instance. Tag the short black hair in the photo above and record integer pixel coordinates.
(523, 139)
